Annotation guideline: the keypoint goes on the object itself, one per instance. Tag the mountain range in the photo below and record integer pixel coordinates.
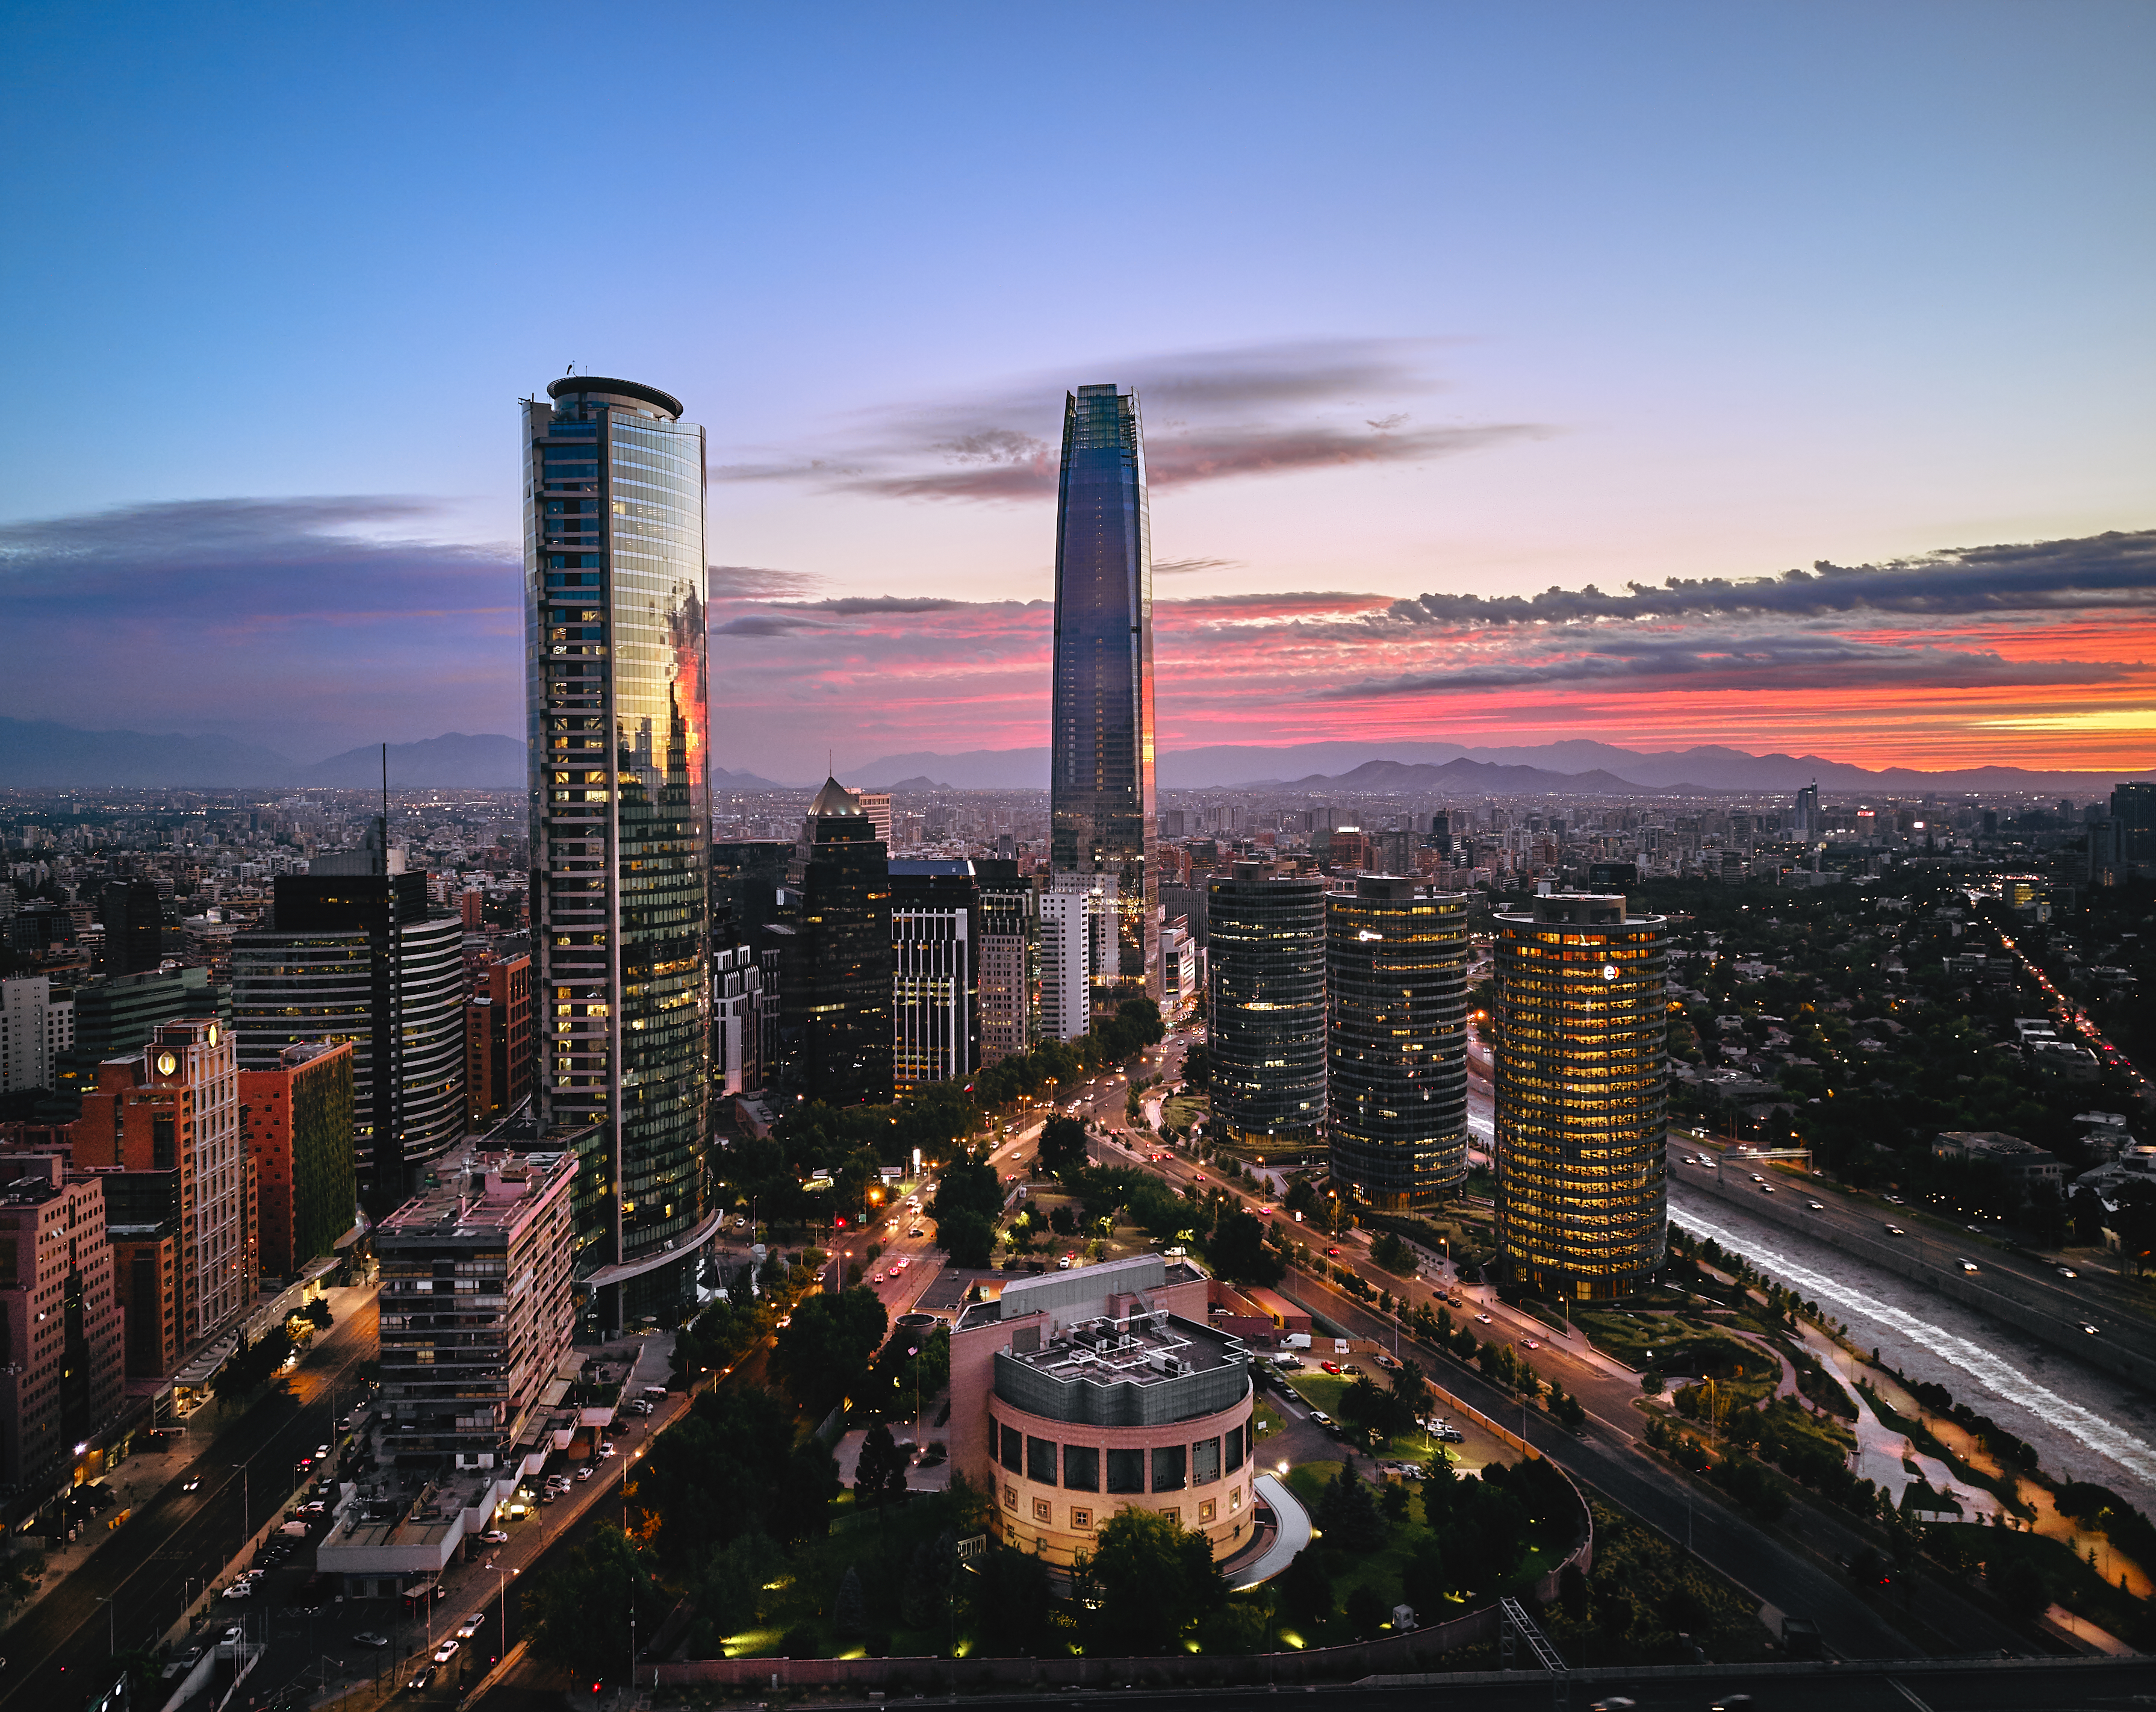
(41, 755)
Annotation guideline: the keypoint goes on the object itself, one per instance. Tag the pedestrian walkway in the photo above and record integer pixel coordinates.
(1292, 1531)
(1883, 1455)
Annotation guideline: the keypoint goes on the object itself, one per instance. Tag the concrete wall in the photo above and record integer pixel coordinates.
(1956, 1286)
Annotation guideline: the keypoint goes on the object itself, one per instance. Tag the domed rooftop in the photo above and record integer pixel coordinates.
(834, 799)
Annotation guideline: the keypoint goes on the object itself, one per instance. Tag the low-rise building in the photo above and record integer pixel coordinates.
(1076, 1395)
(2025, 1162)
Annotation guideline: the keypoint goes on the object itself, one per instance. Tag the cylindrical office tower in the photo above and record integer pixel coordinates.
(1396, 1040)
(1582, 1202)
(1265, 1037)
(614, 631)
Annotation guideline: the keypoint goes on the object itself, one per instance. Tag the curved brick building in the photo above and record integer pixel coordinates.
(1083, 1393)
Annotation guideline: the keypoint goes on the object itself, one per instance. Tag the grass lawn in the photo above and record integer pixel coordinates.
(1324, 1390)
(1181, 1111)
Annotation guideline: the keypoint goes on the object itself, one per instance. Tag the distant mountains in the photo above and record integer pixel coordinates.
(41, 755)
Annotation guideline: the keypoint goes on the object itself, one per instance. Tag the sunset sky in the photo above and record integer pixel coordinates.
(1489, 357)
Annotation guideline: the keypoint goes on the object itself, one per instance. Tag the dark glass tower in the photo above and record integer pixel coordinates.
(1266, 1012)
(614, 640)
(835, 944)
(1396, 1040)
(1101, 779)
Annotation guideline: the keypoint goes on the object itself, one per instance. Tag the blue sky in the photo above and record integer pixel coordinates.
(1632, 292)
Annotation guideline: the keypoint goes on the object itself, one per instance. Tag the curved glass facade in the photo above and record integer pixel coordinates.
(619, 734)
(1266, 1028)
(1100, 767)
(1581, 1087)
(1396, 1040)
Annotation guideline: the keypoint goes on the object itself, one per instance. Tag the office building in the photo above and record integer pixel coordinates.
(355, 953)
(296, 1123)
(174, 1108)
(1007, 913)
(746, 878)
(1807, 825)
(1101, 764)
(477, 1310)
(736, 1025)
(35, 1028)
(876, 805)
(1266, 1036)
(935, 956)
(615, 625)
(1581, 1092)
(500, 1050)
(835, 941)
(61, 1365)
(134, 919)
(1079, 1394)
(1067, 916)
(115, 1016)
(1396, 1040)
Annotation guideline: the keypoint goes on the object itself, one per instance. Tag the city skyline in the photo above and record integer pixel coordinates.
(1507, 305)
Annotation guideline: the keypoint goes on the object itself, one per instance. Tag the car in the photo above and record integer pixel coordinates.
(321, 1450)
(1331, 1251)
(1966, 1266)
(1616, 1703)
(1332, 1367)
(424, 1680)
(876, 1279)
(915, 1231)
(1814, 1206)
(1448, 1435)
(1892, 1200)
(1530, 1343)
(313, 1507)
(1766, 1189)
(192, 1483)
(367, 1638)
(606, 1447)
(447, 1651)
(472, 1626)
(1388, 1363)
(587, 1472)
(2067, 1272)
(2089, 1329)
(242, 1589)
(495, 1536)
(1757, 1177)
(1896, 1230)
(1482, 1320)
(1321, 1417)
(1978, 1229)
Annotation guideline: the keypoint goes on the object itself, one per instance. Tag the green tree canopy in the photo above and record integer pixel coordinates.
(576, 1611)
(1062, 1146)
(733, 1467)
(826, 1347)
(1239, 1252)
(1153, 1579)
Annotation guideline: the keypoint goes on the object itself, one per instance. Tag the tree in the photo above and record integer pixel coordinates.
(1010, 1598)
(728, 1590)
(1424, 1580)
(578, 1613)
(849, 1611)
(1366, 1612)
(827, 1346)
(733, 1467)
(967, 1237)
(1306, 1590)
(1062, 1146)
(1348, 1513)
(1239, 1252)
(881, 1471)
(1152, 1581)
(2019, 1586)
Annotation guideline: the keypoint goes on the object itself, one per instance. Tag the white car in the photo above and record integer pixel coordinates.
(606, 1448)
(447, 1651)
(472, 1626)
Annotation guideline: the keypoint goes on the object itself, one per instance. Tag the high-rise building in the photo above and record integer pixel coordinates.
(363, 956)
(61, 1364)
(175, 1108)
(876, 805)
(295, 1122)
(1396, 1040)
(1265, 1026)
(134, 917)
(736, 1029)
(26, 1034)
(1100, 765)
(1065, 1003)
(746, 880)
(615, 587)
(935, 934)
(462, 1378)
(1808, 827)
(835, 956)
(1581, 1095)
(1007, 913)
(499, 1053)
(114, 1017)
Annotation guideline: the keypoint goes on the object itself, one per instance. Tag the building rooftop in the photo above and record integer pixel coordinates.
(483, 1195)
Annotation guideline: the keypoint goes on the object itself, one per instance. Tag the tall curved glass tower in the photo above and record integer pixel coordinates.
(614, 631)
(1100, 770)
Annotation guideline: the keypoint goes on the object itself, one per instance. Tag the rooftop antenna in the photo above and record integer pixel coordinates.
(385, 807)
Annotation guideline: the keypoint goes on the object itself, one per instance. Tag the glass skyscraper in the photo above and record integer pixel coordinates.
(1101, 779)
(1266, 1011)
(620, 733)
(1582, 1088)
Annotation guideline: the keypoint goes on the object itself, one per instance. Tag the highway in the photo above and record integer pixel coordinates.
(140, 1582)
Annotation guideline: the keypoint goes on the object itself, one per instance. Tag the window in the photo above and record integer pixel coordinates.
(1205, 1461)
(1169, 1461)
(1234, 1499)
(1081, 1468)
(1207, 1510)
(1174, 1516)
(1010, 1498)
(1082, 1521)
(1041, 1461)
(1236, 1448)
(1013, 1450)
(1042, 1511)
(1127, 1471)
